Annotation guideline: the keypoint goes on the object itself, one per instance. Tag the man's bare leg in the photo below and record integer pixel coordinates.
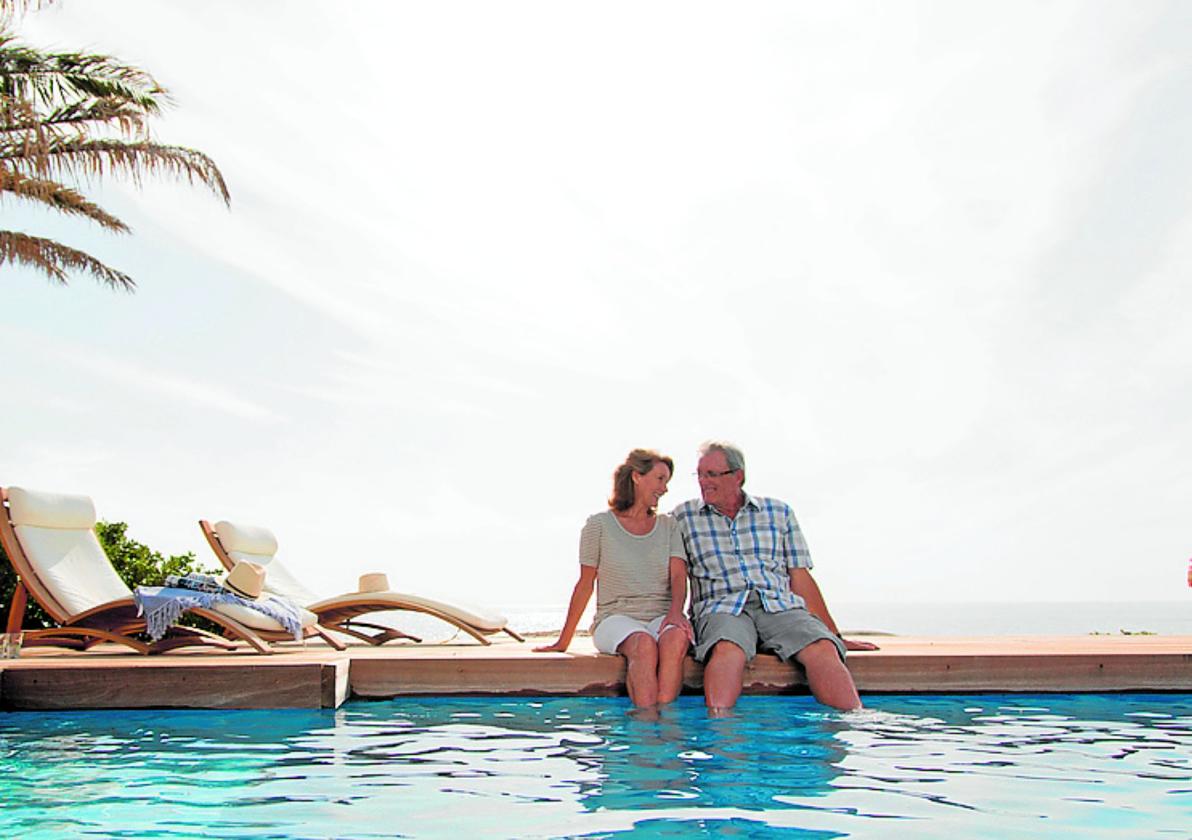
(827, 676)
(723, 675)
(641, 675)
(672, 650)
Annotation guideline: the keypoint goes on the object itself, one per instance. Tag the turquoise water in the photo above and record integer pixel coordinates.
(916, 766)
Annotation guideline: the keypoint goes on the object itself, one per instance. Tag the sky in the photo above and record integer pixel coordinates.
(926, 264)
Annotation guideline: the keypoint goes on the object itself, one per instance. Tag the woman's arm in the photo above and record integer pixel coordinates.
(678, 587)
(580, 595)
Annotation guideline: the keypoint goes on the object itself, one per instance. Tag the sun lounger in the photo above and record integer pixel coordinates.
(50, 541)
(232, 542)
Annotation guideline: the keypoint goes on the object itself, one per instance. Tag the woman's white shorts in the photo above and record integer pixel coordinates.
(615, 629)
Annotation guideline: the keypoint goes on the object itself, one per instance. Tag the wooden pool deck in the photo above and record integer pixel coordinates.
(315, 676)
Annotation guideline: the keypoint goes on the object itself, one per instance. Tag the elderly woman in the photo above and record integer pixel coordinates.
(635, 558)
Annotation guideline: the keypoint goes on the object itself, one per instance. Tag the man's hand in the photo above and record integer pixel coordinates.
(853, 644)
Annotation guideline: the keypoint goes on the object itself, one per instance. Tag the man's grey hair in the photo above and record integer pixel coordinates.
(730, 451)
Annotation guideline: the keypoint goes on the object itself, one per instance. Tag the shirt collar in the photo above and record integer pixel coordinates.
(749, 502)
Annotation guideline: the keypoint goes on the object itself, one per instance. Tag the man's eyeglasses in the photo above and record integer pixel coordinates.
(713, 473)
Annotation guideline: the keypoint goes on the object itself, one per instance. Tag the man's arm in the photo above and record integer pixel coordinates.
(804, 585)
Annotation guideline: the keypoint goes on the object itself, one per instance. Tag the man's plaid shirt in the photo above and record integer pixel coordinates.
(729, 558)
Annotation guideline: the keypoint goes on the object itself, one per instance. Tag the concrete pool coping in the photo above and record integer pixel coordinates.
(315, 676)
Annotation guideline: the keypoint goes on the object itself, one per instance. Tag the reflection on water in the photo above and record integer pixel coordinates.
(987, 766)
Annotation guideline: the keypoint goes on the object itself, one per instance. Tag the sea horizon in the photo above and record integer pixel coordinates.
(969, 618)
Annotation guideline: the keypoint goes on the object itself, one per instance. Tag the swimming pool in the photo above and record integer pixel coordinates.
(917, 766)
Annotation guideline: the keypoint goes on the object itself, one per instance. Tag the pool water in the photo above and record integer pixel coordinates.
(907, 766)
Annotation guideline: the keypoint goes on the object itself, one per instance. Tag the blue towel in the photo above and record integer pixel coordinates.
(163, 606)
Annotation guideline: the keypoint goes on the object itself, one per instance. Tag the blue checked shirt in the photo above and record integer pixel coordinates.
(730, 558)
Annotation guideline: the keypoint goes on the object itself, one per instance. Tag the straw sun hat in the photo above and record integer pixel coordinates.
(374, 582)
(245, 579)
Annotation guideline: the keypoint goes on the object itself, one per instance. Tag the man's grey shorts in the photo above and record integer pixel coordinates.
(784, 633)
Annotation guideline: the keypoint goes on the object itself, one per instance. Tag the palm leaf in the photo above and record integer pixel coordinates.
(57, 260)
(83, 116)
(61, 198)
(79, 117)
(25, 134)
(12, 6)
(97, 158)
(22, 130)
(48, 79)
(10, 9)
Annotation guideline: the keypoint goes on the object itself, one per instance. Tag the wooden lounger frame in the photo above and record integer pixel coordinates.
(116, 621)
(340, 617)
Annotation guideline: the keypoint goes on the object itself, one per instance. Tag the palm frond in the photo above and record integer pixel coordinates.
(29, 141)
(83, 116)
(12, 9)
(80, 117)
(61, 198)
(14, 6)
(98, 158)
(57, 261)
(49, 79)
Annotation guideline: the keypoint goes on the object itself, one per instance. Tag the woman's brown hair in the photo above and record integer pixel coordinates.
(639, 461)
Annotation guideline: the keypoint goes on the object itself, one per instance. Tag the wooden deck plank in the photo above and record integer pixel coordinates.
(115, 681)
(314, 676)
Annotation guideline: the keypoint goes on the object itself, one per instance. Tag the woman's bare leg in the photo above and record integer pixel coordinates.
(672, 650)
(641, 675)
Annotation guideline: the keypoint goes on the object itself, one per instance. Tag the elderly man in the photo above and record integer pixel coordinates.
(751, 584)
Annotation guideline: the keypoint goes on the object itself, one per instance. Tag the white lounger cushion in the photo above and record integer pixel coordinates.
(50, 510)
(258, 545)
(71, 564)
(259, 621)
(56, 532)
(250, 539)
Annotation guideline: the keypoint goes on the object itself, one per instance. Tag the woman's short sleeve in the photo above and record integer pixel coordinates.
(589, 541)
(677, 547)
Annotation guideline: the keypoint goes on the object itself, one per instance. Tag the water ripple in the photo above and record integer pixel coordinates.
(979, 766)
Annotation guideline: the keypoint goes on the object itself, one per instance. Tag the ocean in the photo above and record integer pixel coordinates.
(1168, 618)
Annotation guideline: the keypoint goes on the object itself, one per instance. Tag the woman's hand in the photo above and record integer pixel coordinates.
(558, 647)
(575, 608)
(677, 619)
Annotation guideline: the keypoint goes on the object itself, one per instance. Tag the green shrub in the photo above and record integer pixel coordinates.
(139, 565)
(136, 563)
